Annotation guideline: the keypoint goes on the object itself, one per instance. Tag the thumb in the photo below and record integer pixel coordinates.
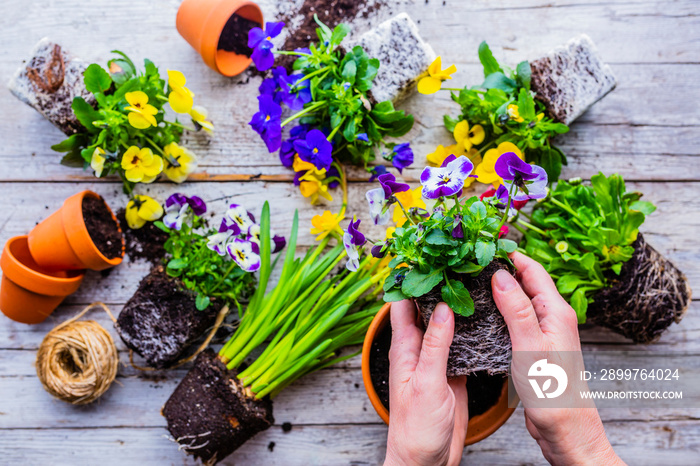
(432, 363)
(517, 311)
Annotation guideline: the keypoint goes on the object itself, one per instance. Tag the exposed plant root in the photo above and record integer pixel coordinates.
(648, 296)
(481, 341)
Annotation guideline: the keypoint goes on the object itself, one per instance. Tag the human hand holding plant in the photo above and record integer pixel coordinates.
(429, 415)
(540, 320)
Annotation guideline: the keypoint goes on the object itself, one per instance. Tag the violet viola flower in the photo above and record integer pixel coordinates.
(376, 171)
(499, 199)
(531, 180)
(379, 250)
(177, 207)
(352, 241)
(315, 149)
(447, 180)
(261, 43)
(244, 254)
(403, 156)
(267, 122)
(391, 186)
(457, 230)
(362, 137)
(295, 94)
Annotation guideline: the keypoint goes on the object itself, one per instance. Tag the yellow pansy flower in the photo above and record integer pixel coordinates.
(141, 165)
(97, 162)
(475, 157)
(390, 232)
(142, 209)
(311, 185)
(301, 166)
(141, 113)
(514, 113)
(410, 198)
(181, 99)
(326, 224)
(199, 115)
(431, 81)
(467, 136)
(179, 162)
(486, 170)
(441, 153)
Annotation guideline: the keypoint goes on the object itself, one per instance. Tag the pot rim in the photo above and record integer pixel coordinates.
(79, 236)
(37, 281)
(378, 323)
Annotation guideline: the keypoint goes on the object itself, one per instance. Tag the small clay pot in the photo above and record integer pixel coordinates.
(201, 23)
(28, 292)
(479, 427)
(62, 241)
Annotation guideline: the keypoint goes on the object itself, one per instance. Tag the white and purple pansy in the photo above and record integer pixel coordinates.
(277, 242)
(239, 216)
(177, 207)
(378, 206)
(530, 180)
(245, 253)
(352, 241)
(447, 180)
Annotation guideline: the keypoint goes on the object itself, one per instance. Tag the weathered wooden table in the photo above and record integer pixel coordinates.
(648, 130)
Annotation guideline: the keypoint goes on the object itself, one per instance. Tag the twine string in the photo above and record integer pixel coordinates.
(78, 361)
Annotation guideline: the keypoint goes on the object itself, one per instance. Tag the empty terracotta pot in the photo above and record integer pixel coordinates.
(62, 241)
(201, 23)
(479, 427)
(28, 292)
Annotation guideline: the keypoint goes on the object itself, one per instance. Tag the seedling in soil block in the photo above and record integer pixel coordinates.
(307, 319)
(588, 239)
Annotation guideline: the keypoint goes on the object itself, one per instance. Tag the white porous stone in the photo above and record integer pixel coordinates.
(402, 53)
(49, 81)
(571, 78)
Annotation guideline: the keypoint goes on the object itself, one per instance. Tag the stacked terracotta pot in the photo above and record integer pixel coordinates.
(42, 268)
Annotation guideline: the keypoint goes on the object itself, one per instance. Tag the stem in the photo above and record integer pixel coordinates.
(163, 98)
(565, 207)
(480, 151)
(228, 271)
(178, 125)
(310, 75)
(507, 209)
(532, 227)
(335, 130)
(155, 146)
(297, 54)
(404, 211)
(304, 112)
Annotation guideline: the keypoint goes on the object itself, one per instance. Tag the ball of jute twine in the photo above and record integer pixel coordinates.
(77, 361)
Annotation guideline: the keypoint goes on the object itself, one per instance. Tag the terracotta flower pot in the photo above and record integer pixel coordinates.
(28, 292)
(201, 23)
(62, 241)
(480, 426)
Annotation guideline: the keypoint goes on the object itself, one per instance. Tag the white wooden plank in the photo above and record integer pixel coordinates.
(664, 442)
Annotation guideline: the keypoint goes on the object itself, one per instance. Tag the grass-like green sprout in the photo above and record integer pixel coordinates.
(309, 316)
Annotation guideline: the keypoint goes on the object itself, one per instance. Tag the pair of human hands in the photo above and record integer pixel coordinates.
(429, 413)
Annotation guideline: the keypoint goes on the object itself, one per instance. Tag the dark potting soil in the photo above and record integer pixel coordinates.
(483, 389)
(330, 12)
(103, 230)
(144, 243)
(234, 37)
(161, 319)
(481, 341)
(649, 295)
(209, 413)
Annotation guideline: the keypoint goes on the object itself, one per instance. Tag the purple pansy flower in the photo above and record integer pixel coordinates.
(447, 180)
(531, 180)
(277, 242)
(295, 94)
(333, 173)
(499, 200)
(177, 207)
(457, 230)
(391, 186)
(287, 150)
(352, 241)
(218, 241)
(362, 137)
(269, 87)
(403, 156)
(267, 122)
(379, 250)
(244, 254)
(376, 171)
(261, 43)
(315, 149)
(239, 216)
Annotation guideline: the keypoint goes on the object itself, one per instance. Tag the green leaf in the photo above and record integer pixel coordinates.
(498, 80)
(85, 113)
(526, 105)
(394, 295)
(478, 209)
(568, 283)
(323, 31)
(524, 73)
(177, 264)
(457, 297)
(644, 207)
(202, 302)
(339, 33)
(507, 245)
(580, 304)
(450, 123)
(484, 251)
(468, 267)
(349, 71)
(73, 159)
(73, 142)
(417, 284)
(486, 58)
(617, 268)
(97, 80)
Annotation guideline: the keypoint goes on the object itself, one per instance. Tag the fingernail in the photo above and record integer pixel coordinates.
(504, 281)
(441, 313)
